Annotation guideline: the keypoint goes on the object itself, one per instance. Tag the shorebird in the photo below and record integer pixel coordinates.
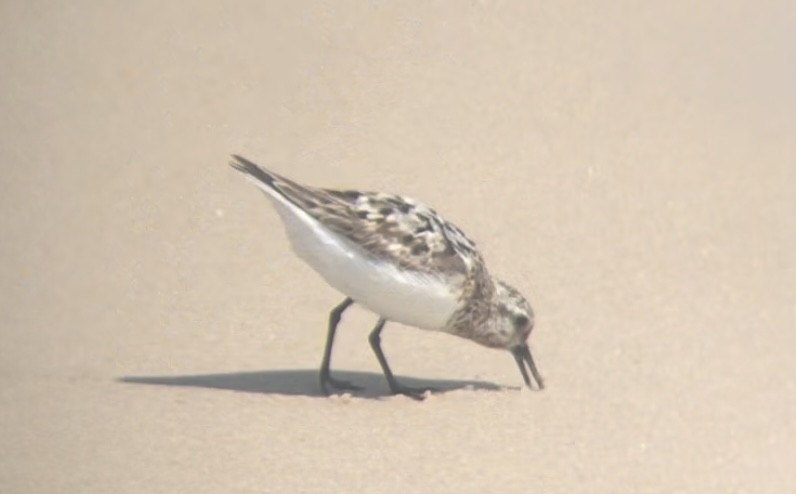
(402, 261)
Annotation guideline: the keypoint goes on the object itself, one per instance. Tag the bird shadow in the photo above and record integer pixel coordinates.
(304, 382)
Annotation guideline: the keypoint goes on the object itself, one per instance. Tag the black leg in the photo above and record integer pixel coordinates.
(395, 387)
(326, 378)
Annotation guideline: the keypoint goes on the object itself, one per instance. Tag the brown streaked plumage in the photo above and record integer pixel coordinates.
(403, 261)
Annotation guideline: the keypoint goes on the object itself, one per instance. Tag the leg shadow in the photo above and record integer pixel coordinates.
(302, 382)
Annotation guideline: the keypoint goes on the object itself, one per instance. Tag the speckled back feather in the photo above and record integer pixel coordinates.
(387, 226)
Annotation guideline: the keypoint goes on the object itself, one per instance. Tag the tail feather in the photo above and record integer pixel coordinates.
(245, 166)
(276, 186)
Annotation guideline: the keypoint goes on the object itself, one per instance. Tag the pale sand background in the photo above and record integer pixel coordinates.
(631, 168)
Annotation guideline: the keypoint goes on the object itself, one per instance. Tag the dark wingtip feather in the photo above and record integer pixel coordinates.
(245, 166)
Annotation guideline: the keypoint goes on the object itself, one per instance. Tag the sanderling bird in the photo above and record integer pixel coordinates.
(401, 260)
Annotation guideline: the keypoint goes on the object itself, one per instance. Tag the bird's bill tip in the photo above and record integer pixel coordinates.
(522, 354)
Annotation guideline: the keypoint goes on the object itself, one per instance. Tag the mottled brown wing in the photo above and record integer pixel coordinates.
(399, 229)
(388, 227)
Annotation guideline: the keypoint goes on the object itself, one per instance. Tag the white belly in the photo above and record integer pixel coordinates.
(413, 299)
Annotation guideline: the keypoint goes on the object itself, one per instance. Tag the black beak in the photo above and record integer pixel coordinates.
(522, 354)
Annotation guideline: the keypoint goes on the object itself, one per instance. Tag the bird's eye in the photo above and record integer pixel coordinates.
(520, 320)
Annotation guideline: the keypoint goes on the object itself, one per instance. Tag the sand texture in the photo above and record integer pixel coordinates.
(630, 166)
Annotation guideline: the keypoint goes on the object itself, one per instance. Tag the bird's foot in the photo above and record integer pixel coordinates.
(328, 382)
(419, 394)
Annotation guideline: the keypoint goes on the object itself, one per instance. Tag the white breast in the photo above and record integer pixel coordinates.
(410, 298)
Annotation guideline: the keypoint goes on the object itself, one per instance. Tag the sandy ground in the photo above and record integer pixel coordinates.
(631, 168)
